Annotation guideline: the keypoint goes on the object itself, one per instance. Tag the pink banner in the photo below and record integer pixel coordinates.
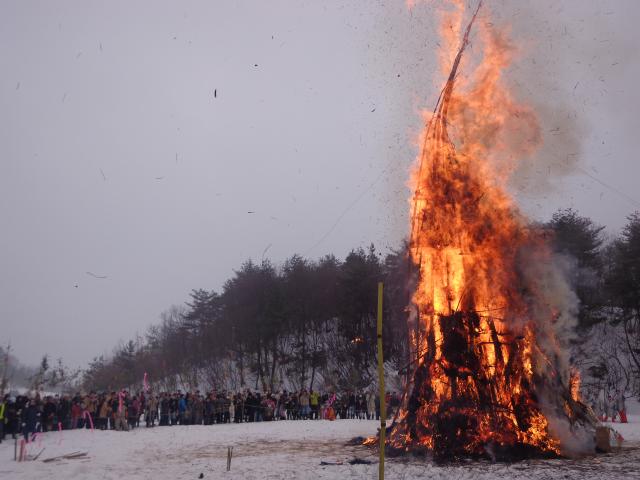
(23, 450)
(86, 414)
(146, 383)
(37, 436)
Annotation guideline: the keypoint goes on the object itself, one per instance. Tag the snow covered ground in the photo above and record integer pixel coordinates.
(278, 450)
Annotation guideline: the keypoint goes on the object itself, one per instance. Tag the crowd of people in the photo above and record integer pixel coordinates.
(123, 410)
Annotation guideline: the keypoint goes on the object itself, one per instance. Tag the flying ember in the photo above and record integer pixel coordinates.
(489, 377)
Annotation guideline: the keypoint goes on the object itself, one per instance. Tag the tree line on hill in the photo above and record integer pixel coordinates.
(311, 323)
(297, 325)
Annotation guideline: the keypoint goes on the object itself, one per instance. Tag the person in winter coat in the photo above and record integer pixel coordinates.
(361, 406)
(330, 406)
(342, 406)
(259, 411)
(164, 409)
(208, 409)
(133, 412)
(225, 407)
(248, 407)
(30, 419)
(104, 412)
(151, 410)
(142, 407)
(324, 398)
(284, 405)
(314, 403)
(48, 414)
(64, 412)
(14, 415)
(303, 399)
(198, 409)
(91, 407)
(611, 407)
(371, 405)
(187, 414)
(239, 408)
(268, 408)
(293, 407)
(621, 407)
(351, 405)
(232, 409)
(121, 413)
(174, 400)
(182, 409)
(76, 414)
(216, 405)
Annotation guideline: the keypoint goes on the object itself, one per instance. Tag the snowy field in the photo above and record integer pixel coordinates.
(278, 450)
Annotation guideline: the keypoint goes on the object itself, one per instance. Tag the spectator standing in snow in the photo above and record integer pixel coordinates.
(351, 405)
(91, 406)
(361, 407)
(63, 412)
(182, 408)
(173, 402)
(48, 414)
(122, 411)
(232, 409)
(76, 414)
(103, 413)
(30, 418)
(371, 405)
(164, 409)
(620, 407)
(133, 412)
(611, 407)
(151, 410)
(314, 403)
(304, 404)
(121, 414)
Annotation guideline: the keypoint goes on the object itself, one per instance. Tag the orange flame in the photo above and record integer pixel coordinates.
(477, 360)
(575, 385)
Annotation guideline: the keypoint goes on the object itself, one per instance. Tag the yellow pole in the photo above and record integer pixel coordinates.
(383, 405)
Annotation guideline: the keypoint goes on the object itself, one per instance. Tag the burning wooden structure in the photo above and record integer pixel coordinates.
(489, 376)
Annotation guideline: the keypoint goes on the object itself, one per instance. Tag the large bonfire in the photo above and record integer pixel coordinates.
(489, 376)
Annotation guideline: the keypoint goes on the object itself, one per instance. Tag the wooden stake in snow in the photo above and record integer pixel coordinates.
(68, 456)
(38, 455)
(22, 451)
(383, 406)
(229, 457)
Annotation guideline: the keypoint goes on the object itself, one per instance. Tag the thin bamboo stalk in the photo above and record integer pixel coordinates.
(383, 406)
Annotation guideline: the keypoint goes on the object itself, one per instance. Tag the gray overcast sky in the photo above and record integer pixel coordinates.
(116, 159)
